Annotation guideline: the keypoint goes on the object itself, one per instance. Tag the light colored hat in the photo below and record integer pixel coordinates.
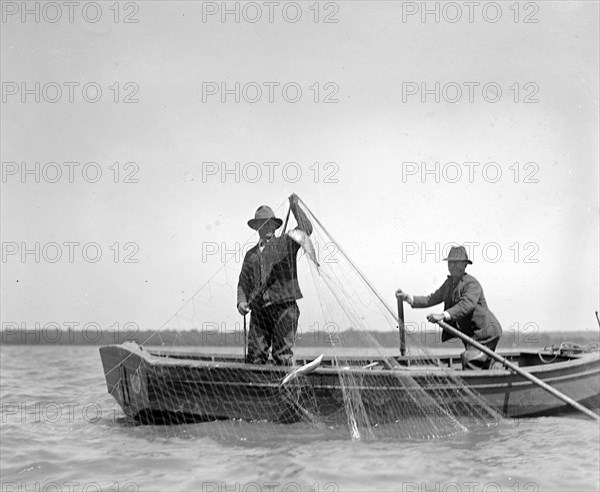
(263, 214)
(458, 253)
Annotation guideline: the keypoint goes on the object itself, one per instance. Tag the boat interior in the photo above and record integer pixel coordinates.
(521, 358)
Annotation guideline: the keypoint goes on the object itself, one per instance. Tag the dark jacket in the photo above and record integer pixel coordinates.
(270, 277)
(465, 302)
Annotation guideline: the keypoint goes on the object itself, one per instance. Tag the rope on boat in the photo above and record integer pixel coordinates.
(567, 349)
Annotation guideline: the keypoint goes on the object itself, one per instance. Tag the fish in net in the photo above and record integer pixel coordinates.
(344, 377)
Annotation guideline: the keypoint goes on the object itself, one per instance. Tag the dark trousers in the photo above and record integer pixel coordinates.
(273, 327)
(473, 358)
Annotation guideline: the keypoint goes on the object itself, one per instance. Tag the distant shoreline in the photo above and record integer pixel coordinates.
(349, 338)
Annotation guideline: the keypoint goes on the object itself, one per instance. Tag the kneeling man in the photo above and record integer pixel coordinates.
(465, 308)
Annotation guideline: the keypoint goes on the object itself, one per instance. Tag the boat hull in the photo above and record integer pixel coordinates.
(159, 388)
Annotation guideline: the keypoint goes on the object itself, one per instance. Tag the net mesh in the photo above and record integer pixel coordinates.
(361, 388)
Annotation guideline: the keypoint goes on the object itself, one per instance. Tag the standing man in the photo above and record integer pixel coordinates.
(465, 308)
(268, 287)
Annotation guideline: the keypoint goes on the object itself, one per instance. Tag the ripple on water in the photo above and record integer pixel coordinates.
(553, 453)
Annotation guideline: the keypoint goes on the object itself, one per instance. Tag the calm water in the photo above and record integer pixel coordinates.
(84, 444)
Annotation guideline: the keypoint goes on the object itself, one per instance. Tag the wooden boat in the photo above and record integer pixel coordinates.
(154, 385)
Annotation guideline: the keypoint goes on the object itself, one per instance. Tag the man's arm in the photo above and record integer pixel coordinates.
(431, 300)
(243, 287)
(303, 223)
(241, 293)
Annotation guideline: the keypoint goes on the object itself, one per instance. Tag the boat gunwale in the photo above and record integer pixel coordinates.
(575, 361)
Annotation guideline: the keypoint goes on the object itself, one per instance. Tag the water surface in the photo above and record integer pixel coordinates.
(62, 431)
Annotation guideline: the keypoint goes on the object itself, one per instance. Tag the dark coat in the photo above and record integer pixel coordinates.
(465, 302)
(270, 277)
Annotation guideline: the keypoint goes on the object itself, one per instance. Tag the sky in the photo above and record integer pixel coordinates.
(533, 228)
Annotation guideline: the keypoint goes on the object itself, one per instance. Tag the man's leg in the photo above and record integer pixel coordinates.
(285, 334)
(259, 337)
(473, 358)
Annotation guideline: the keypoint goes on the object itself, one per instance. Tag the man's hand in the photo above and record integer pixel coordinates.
(243, 308)
(434, 318)
(294, 199)
(404, 296)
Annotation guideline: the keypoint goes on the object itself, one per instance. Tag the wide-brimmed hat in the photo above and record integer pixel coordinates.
(263, 214)
(458, 253)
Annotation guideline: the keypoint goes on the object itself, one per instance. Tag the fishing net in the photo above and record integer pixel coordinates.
(345, 374)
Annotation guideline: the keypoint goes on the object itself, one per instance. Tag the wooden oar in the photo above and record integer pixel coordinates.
(305, 369)
(518, 370)
(245, 339)
(401, 327)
